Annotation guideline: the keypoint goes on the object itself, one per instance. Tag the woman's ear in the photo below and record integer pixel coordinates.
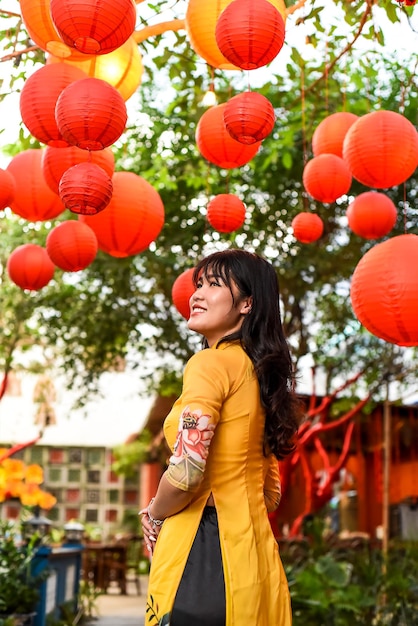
(246, 305)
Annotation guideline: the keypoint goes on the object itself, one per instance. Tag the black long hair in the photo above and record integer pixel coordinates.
(262, 337)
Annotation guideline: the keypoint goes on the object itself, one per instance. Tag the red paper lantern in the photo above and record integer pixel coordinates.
(30, 267)
(33, 199)
(326, 178)
(181, 292)
(371, 215)
(329, 135)
(250, 33)
(215, 143)
(39, 97)
(91, 114)
(121, 68)
(7, 188)
(133, 218)
(72, 245)
(56, 161)
(94, 26)
(384, 292)
(307, 227)
(85, 188)
(249, 117)
(226, 213)
(381, 149)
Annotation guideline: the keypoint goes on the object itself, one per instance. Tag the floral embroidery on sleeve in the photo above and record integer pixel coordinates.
(188, 461)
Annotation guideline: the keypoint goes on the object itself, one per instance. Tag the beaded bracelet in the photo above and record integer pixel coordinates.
(154, 522)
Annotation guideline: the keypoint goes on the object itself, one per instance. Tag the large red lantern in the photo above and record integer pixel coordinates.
(7, 188)
(39, 97)
(86, 189)
(384, 290)
(307, 227)
(56, 161)
(250, 33)
(133, 218)
(381, 149)
(91, 114)
(215, 143)
(371, 215)
(30, 267)
(121, 68)
(94, 26)
(249, 117)
(71, 246)
(181, 292)
(226, 213)
(33, 199)
(329, 135)
(326, 178)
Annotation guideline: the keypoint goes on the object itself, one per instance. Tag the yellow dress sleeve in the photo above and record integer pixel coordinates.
(272, 484)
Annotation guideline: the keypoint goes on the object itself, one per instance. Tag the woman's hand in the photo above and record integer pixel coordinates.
(150, 530)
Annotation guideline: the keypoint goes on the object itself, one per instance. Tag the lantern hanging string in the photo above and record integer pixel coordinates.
(303, 118)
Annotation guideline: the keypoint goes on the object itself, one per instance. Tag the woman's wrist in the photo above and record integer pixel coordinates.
(154, 521)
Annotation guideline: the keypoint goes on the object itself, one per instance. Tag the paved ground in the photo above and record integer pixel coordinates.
(114, 609)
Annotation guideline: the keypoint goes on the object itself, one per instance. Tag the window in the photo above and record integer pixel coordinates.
(93, 476)
(131, 497)
(54, 474)
(93, 495)
(94, 456)
(113, 496)
(111, 515)
(112, 477)
(74, 475)
(72, 513)
(75, 455)
(92, 515)
(53, 514)
(133, 479)
(73, 495)
(56, 455)
(36, 455)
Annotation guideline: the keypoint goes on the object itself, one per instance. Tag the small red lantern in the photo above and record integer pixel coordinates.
(94, 26)
(372, 215)
(249, 117)
(329, 135)
(33, 199)
(39, 97)
(326, 178)
(56, 161)
(72, 246)
(91, 114)
(30, 267)
(85, 188)
(307, 227)
(250, 33)
(384, 292)
(215, 143)
(226, 213)
(181, 292)
(133, 218)
(7, 188)
(381, 149)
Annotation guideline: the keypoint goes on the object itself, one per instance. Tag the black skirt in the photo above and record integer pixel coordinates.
(200, 598)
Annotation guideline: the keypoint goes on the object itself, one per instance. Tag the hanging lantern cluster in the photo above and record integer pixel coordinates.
(384, 292)
(7, 188)
(182, 290)
(371, 215)
(307, 227)
(85, 188)
(30, 267)
(226, 213)
(326, 178)
(249, 117)
(71, 245)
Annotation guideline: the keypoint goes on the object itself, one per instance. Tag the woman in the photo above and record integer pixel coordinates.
(216, 562)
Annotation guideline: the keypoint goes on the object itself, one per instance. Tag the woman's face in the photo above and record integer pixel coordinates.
(213, 311)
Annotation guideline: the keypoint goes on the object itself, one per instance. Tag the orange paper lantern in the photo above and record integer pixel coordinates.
(94, 26)
(250, 33)
(201, 19)
(226, 213)
(384, 292)
(56, 161)
(33, 199)
(307, 227)
(7, 188)
(85, 188)
(181, 292)
(133, 218)
(215, 143)
(381, 149)
(329, 135)
(72, 246)
(91, 114)
(249, 117)
(371, 215)
(326, 177)
(121, 68)
(39, 97)
(30, 267)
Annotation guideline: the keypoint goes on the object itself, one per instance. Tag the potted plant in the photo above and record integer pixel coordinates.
(19, 585)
